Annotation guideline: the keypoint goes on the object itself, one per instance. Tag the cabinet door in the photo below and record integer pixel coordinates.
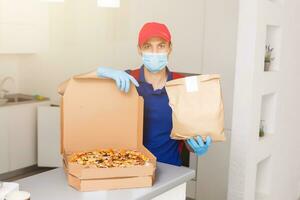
(4, 157)
(49, 133)
(18, 38)
(18, 11)
(23, 25)
(22, 136)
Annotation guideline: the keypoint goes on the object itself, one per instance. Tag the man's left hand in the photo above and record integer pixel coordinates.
(199, 146)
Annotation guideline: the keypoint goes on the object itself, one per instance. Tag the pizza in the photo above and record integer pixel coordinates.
(107, 158)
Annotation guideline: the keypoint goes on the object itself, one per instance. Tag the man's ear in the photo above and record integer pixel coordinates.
(170, 49)
(139, 50)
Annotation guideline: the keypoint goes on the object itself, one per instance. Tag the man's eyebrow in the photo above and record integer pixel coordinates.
(163, 42)
(146, 44)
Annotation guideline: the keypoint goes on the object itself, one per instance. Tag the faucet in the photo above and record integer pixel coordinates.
(3, 92)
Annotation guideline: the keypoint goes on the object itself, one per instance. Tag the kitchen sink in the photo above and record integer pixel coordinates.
(15, 99)
(18, 99)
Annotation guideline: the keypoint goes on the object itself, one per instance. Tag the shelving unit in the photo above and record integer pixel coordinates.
(267, 95)
(257, 96)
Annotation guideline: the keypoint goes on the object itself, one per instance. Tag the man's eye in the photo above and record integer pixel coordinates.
(162, 46)
(146, 46)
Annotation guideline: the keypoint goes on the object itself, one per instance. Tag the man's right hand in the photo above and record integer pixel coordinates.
(122, 78)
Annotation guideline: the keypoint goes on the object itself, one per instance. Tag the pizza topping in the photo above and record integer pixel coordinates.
(107, 158)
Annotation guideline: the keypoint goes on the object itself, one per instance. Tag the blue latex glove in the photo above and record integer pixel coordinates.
(122, 78)
(200, 147)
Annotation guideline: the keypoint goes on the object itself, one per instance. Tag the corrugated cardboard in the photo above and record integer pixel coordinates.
(111, 183)
(197, 107)
(96, 115)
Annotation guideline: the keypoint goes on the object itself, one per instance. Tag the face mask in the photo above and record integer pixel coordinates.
(155, 62)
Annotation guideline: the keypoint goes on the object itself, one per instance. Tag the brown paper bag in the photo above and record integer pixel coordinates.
(197, 106)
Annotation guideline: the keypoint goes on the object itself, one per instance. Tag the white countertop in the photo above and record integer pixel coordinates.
(52, 185)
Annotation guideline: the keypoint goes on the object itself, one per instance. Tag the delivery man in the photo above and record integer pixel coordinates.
(154, 47)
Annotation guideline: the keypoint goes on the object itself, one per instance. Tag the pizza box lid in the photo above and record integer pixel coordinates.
(96, 114)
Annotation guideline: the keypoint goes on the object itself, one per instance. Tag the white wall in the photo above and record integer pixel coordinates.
(286, 172)
(219, 57)
(82, 37)
(9, 67)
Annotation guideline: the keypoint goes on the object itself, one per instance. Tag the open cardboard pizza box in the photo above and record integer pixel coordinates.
(96, 115)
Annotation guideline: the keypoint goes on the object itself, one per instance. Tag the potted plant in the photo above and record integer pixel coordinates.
(268, 57)
(261, 129)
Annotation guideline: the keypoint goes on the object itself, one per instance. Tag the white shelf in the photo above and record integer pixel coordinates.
(264, 147)
(268, 112)
(270, 83)
(273, 38)
(263, 179)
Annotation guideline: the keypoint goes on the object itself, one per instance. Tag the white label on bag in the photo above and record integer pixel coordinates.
(191, 84)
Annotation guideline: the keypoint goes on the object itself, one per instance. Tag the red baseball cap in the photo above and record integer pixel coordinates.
(154, 29)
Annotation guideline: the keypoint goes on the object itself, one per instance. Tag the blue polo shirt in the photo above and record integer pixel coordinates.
(158, 121)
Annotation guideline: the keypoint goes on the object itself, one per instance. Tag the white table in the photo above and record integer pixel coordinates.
(170, 183)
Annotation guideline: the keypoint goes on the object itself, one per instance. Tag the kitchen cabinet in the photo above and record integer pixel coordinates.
(4, 158)
(18, 38)
(22, 136)
(49, 133)
(18, 11)
(21, 25)
(18, 130)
